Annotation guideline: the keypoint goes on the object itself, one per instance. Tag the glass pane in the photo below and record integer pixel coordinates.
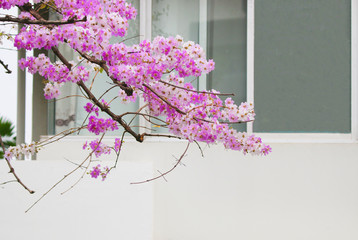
(176, 17)
(227, 46)
(72, 108)
(302, 66)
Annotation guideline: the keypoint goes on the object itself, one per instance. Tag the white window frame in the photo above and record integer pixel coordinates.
(282, 137)
(306, 137)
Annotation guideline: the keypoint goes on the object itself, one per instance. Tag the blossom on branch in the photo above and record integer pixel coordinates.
(152, 71)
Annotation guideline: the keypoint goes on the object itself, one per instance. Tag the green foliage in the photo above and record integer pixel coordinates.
(7, 134)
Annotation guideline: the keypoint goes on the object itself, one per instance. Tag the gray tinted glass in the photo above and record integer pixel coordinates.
(302, 66)
(227, 46)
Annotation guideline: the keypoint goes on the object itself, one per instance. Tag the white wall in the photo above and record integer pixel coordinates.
(92, 210)
(303, 191)
(300, 191)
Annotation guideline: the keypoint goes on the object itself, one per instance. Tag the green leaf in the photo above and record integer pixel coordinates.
(6, 127)
(42, 6)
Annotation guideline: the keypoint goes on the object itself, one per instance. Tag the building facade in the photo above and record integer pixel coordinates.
(297, 61)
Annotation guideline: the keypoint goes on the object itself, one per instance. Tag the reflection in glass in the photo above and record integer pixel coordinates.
(227, 46)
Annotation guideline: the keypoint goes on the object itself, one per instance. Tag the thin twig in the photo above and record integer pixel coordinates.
(109, 89)
(69, 96)
(196, 91)
(94, 77)
(86, 167)
(145, 114)
(63, 133)
(130, 38)
(8, 182)
(162, 175)
(136, 113)
(165, 173)
(119, 151)
(12, 170)
(6, 66)
(79, 179)
(201, 150)
(73, 162)
(63, 178)
(161, 135)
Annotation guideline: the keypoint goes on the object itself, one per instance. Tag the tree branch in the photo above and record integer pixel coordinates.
(105, 109)
(8, 18)
(164, 100)
(127, 89)
(102, 64)
(6, 66)
(12, 170)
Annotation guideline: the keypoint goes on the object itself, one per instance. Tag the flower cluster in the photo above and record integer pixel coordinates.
(97, 171)
(90, 108)
(52, 90)
(105, 18)
(117, 145)
(97, 147)
(203, 116)
(101, 125)
(100, 148)
(21, 150)
(56, 74)
(7, 4)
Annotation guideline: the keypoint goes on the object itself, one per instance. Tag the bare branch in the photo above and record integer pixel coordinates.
(12, 170)
(58, 182)
(6, 66)
(84, 172)
(58, 136)
(196, 91)
(161, 135)
(144, 115)
(8, 182)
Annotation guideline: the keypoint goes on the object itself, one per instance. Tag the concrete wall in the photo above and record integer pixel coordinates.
(300, 191)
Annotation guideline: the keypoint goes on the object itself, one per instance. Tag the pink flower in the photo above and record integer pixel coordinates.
(22, 63)
(117, 144)
(95, 172)
(89, 107)
(84, 145)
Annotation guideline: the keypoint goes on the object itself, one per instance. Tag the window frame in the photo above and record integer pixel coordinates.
(352, 137)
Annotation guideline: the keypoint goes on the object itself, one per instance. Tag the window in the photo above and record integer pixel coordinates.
(292, 58)
(303, 66)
